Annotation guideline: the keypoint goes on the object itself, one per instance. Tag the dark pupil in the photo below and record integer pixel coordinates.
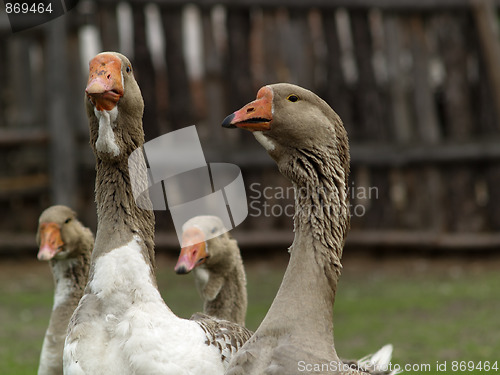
(293, 98)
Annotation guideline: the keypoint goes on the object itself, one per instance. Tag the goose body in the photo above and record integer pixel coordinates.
(122, 325)
(66, 244)
(215, 259)
(307, 140)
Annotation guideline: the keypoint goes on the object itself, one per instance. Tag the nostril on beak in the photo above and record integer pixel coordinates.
(250, 110)
(181, 270)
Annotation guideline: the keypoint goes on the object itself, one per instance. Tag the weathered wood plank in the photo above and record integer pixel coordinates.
(145, 73)
(487, 26)
(451, 42)
(389, 154)
(462, 213)
(370, 112)
(108, 25)
(400, 5)
(180, 108)
(213, 85)
(15, 137)
(334, 89)
(237, 66)
(423, 240)
(62, 136)
(398, 78)
(23, 244)
(28, 184)
(397, 155)
(425, 108)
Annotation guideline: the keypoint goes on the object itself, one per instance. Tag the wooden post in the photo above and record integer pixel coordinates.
(484, 14)
(62, 140)
(239, 80)
(335, 90)
(108, 23)
(369, 99)
(425, 109)
(398, 81)
(144, 72)
(180, 109)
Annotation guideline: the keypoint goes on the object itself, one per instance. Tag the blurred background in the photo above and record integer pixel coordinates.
(417, 84)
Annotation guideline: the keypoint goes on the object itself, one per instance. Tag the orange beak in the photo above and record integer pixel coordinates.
(193, 252)
(105, 86)
(255, 116)
(51, 242)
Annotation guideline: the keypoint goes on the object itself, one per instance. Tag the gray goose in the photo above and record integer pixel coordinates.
(122, 325)
(66, 244)
(308, 142)
(215, 259)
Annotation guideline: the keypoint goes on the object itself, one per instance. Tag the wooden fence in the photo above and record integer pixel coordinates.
(417, 85)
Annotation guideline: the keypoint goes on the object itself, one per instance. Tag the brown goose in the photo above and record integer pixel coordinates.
(66, 244)
(307, 140)
(214, 257)
(122, 325)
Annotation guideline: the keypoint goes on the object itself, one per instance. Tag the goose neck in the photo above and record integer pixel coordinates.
(119, 217)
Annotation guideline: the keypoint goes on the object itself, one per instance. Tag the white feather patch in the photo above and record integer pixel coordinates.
(264, 141)
(106, 138)
(379, 361)
(123, 268)
(65, 287)
(202, 275)
(134, 331)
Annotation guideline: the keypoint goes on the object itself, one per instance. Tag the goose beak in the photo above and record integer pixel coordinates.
(255, 116)
(105, 86)
(193, 252)
(51, 242)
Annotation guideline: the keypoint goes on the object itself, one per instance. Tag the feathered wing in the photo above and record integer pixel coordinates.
(227, 336)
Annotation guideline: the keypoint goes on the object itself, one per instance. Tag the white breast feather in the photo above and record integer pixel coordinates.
(106, 138)
(264, 141)
(135, 327)
(202, 275)
(65, 286)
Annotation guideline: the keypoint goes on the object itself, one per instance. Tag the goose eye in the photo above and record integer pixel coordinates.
(129, 69)
(292, 98)
(67, 220)
(213, 230)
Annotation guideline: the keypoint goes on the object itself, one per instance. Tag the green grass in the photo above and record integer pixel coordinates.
(430, 310)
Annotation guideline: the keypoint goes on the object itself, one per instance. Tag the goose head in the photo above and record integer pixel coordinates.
(298, 129)
(114, 106)
(197, 234)
(58, 233)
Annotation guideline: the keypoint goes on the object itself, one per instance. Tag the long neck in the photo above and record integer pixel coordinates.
(70, 277)
(231, 301)
(307, 293)
(119, 217)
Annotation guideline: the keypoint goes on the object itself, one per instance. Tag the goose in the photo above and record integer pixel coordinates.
(209, 259)
(307, 140)
(214, 257)
(122, 325)
(66, 244)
